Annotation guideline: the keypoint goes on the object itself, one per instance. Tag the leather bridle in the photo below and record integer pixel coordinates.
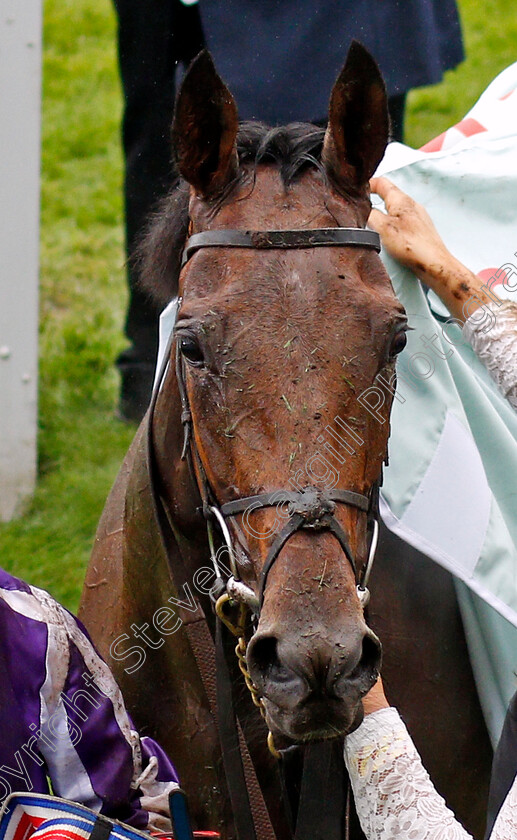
(308, 508)
(283, 239)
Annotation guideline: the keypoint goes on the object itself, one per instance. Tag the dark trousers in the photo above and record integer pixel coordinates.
(397, 109)
(152, 39)
(504, 768)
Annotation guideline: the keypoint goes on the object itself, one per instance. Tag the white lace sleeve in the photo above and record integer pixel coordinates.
(496, 345)
(393, 793)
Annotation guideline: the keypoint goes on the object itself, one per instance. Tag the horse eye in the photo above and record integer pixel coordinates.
(398, 343)
(191, 350)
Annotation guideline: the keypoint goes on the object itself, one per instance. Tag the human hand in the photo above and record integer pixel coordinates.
(410, 236)
(407, 231)
(375, 699)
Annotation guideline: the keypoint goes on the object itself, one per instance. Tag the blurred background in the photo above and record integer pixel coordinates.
(82, 273)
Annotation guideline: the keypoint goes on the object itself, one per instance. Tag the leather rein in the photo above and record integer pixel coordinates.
(309, 508)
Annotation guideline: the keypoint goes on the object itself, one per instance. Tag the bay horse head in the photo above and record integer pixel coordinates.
(279, 332)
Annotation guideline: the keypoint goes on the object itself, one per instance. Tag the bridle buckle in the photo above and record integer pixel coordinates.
(314, 506)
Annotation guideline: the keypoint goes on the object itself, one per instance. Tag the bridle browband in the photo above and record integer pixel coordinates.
(283, 239)
(308, 508)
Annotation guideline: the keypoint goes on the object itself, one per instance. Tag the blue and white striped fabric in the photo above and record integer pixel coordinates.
(35, 817)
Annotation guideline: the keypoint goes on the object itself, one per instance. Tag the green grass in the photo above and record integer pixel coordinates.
(83, 292)
(83, 298)
(490, 34)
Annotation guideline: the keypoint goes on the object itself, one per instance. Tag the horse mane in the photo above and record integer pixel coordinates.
(293, 148)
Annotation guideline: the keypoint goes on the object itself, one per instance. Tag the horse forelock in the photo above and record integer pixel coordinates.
(293, 147)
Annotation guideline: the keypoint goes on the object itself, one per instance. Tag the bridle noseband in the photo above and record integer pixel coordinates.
(308, 508)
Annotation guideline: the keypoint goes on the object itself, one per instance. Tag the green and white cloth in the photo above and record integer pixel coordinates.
(451, 486)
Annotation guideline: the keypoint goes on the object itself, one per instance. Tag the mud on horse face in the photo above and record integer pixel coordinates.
(276, 340)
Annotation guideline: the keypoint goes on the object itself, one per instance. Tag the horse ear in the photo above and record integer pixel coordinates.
(204, 128)
(358, 126)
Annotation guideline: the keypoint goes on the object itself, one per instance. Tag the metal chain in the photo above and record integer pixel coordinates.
(238, 630)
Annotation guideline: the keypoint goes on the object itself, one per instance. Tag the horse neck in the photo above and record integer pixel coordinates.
(161, 490)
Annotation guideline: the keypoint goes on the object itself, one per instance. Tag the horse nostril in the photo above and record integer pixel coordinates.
(371, 657)
(370, 661)
(263, 655)
(263, 660)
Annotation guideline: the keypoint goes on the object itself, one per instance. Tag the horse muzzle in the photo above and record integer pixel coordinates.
(311, 683)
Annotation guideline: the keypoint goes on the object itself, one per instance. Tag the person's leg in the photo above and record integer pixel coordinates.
(397, 108)
(151, 41)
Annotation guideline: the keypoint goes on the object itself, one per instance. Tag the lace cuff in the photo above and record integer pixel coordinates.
(496, 345)
(393, 793)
